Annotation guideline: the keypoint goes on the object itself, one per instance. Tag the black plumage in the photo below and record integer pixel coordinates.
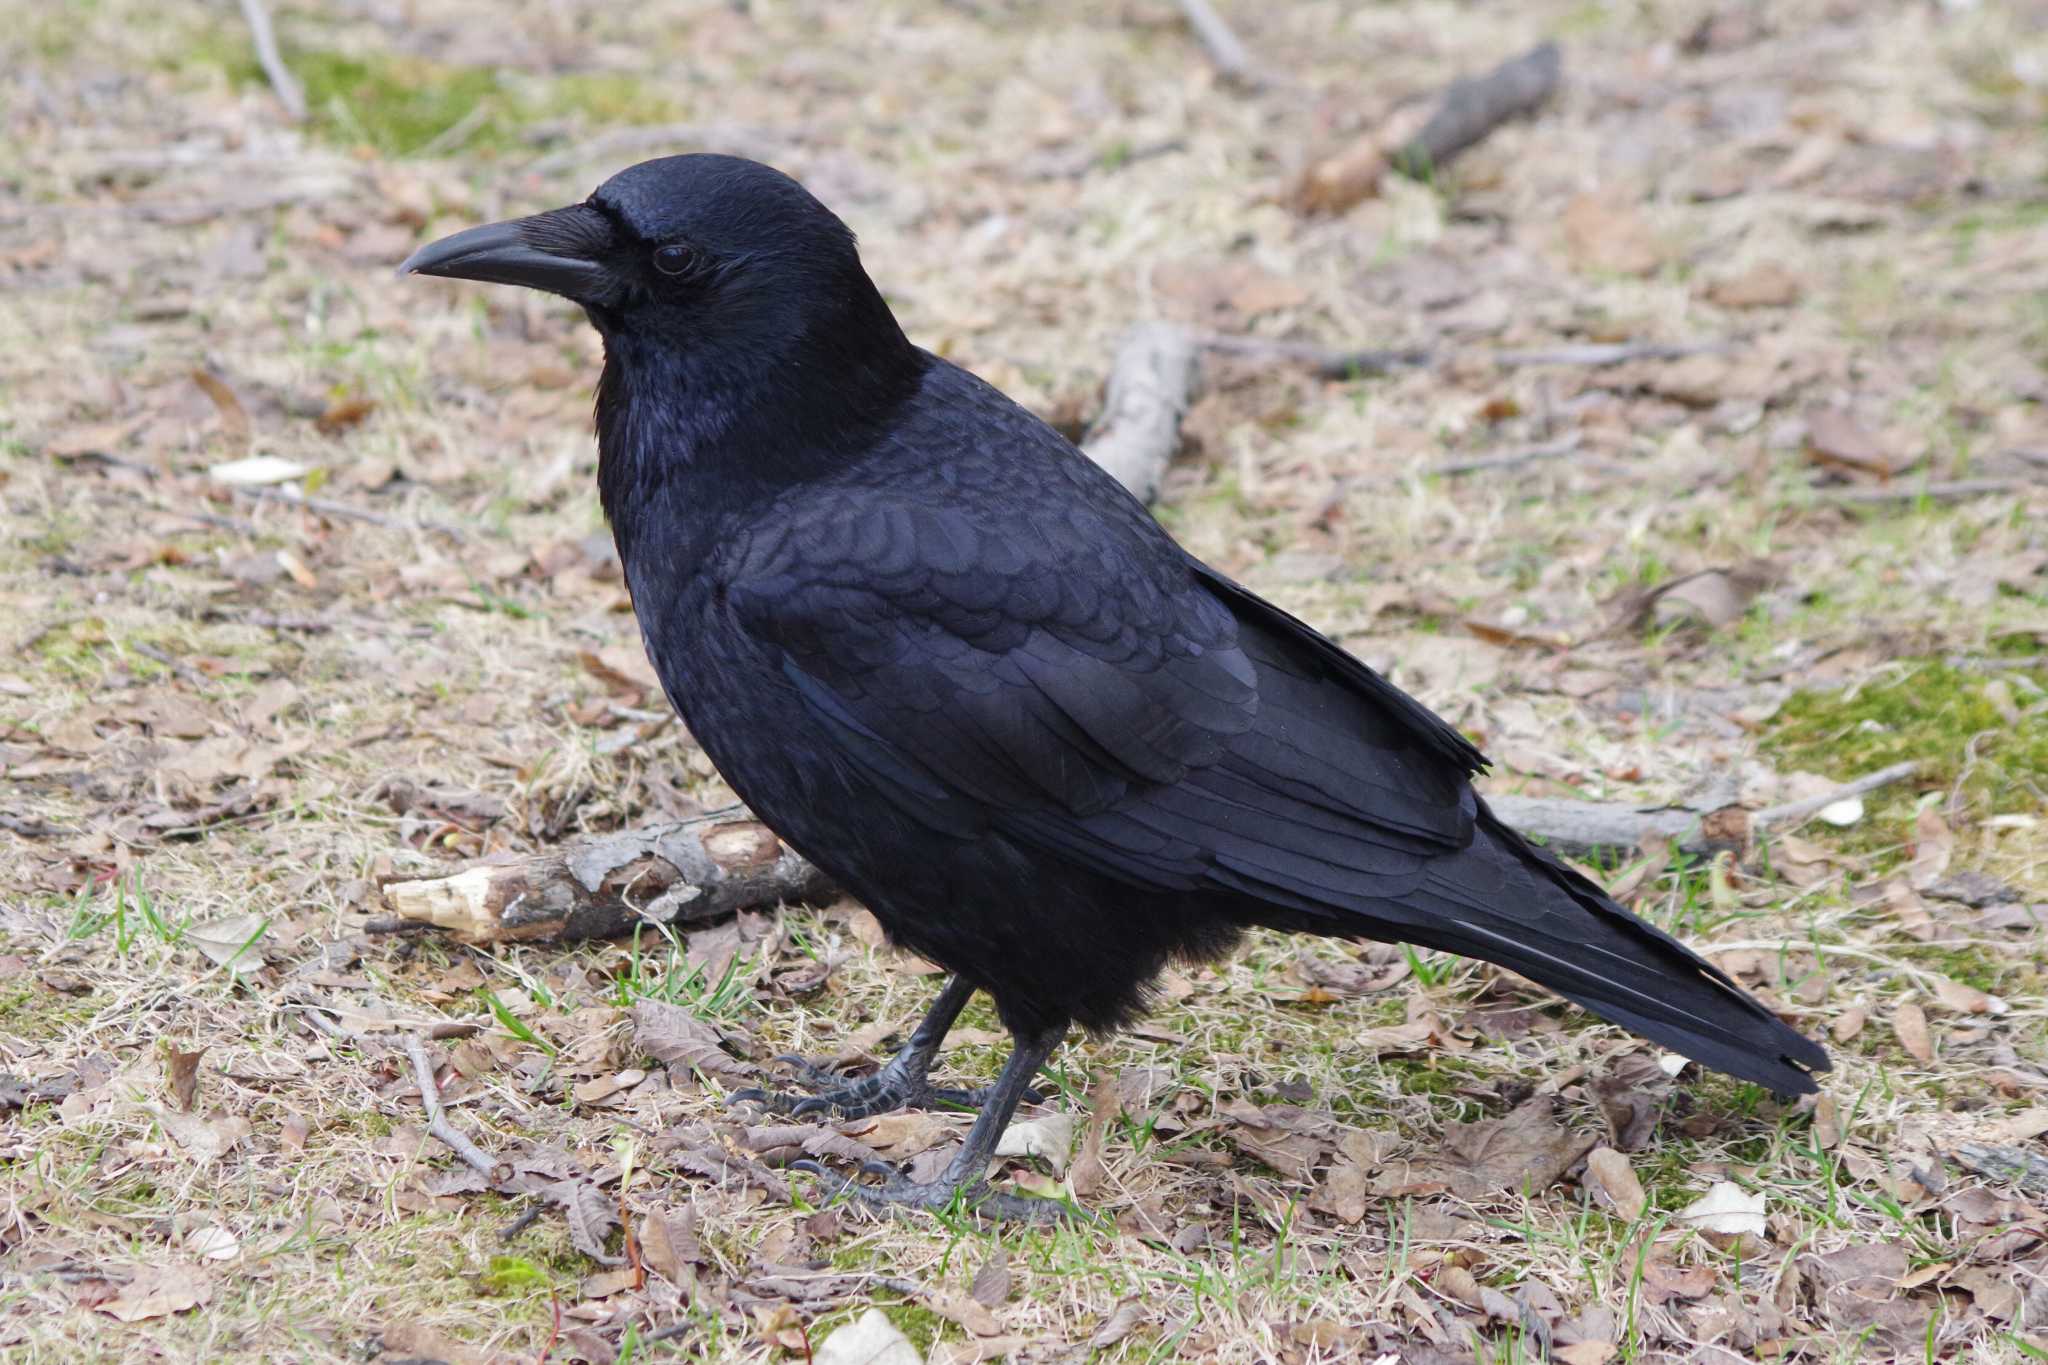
(956, 665)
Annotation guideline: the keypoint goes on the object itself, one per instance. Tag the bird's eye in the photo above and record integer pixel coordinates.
(674, 259)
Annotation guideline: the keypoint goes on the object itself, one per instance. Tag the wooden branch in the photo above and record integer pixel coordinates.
(1226, 53)
(343, 511)
(1938, 491)
(682, 873)
(1149, 389)
(1578, 828)
(2006, 1165)
(1328, 362)
(289, 92)
(438, 1126)
(1332, 362)
(1465, 113)
(1474, 106)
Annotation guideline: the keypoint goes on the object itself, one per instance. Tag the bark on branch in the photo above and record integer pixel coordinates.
(596, 888)
(1150, 385)
(1467, 111)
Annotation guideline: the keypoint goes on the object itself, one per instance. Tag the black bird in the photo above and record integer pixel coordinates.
(958, 667)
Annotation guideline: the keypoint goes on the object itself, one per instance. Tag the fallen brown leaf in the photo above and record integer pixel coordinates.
(1606, 233)
(1909, 1022)
(1615, 1179)
(160, 1290)
(1527, 1148)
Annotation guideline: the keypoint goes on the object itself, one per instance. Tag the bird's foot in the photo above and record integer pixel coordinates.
(899, 1194)
(893, 1087)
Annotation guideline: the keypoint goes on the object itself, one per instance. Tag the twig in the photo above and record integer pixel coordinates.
(1797, 812)
(1149, 386)
(1226, 53)
(2002, 663)
(1507, 459)
(1474, 106)
(347, 512)
(289, 93)
(1467, 111)
(1332, 362)
(1940, 491)
(1582, 827)
(170, 661)
(1328, 362)
(1610, 353)
(437, 1121)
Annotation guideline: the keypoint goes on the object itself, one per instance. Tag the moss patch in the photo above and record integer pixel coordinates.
(401, 105)
(1926, 711)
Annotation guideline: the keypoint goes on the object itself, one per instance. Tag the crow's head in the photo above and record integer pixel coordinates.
(688, 252)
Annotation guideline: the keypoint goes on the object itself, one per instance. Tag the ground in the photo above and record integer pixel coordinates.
(1737, 573)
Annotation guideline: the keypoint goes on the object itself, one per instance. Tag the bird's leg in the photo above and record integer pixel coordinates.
(965, 1176)
(903, 1083)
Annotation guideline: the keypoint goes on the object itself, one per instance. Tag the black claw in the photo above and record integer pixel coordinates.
(880, 1169)
(753, 1094)
(808, 1167)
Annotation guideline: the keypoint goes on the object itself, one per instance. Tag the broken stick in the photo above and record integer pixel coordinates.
(289, 92)
(697, 870)
(1579, 828)
(1468, 110)
(1149, 388)
(1226, 53)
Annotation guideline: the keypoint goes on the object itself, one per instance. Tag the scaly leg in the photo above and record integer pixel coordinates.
(967, 1172)
(903, 1083)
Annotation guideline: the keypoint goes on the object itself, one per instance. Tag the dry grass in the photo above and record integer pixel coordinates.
(220, 715)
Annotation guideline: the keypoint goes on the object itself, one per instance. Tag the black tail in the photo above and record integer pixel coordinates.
(1507, 901)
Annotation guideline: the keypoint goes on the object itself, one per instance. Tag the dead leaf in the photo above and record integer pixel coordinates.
(668, 1244)
(1105, 1104)
(231, 942)
(1050, 1139)
(1615, 1179)
(181, 1070)
(203, 1139)
(591, 1216)
(1606, 233)
(1849, 1023)
(1663, 1281)
(1117, 1325)
(1761, 286)
(870, 1339)
(1586, 1353)
(343, 413)
(1909, 1022)
(159, 1291)
(1527, 1148)
(1342, 1194)
(677, 1038)
(1934, 846)
(1995, 1294)
(1835, 439)
(234, 418)
(992, 1282)
(1727, 1209)
(257, 470)
(213, 1242)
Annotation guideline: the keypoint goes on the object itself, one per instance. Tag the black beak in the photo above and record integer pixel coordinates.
(561, 251)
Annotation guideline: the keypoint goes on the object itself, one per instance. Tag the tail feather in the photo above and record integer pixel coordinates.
(1507, 901)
